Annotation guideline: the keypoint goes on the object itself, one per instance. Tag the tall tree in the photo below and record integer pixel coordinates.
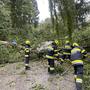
(51, 6)
(24, 15)
(69, 9)
(81, 8)
(16, 7)
(66, 10)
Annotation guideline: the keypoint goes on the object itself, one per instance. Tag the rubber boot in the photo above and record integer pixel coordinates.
(79, 86)
(79, 83)
(51, 70)
(27, 68)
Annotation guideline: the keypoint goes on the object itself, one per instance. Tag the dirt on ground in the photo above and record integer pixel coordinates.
(14, 77)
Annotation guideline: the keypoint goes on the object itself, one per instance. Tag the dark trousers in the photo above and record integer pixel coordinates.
(51, 62)
(27, 60)
(78, 70)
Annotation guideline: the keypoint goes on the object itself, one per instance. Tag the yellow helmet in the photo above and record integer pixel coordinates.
(75, 44)
(67, 42)
(27, 42)
(56, 42)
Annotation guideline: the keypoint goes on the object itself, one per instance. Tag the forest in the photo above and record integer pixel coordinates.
(19, 21)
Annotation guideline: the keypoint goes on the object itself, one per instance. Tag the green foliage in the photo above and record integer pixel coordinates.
(41, 34)
(9, 55)
(3, 34)
(4, 53)
(63, 16)
(82, 36)
(59, 69)
(17, 18)
(5, 21)
(81, 10)
(86, 76)
(23, 12)
(67, 16)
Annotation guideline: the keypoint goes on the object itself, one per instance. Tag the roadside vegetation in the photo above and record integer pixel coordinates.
(19, 20)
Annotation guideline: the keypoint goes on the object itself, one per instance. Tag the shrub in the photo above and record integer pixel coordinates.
(9, 54)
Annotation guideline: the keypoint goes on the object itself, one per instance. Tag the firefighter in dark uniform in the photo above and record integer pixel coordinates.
(52, 55)
(77, 55)
(27, 54)
(67, 50)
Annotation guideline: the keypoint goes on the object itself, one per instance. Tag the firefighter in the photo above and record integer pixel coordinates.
(52, 55)
(67, 50)
(77, 55)
(27, 54)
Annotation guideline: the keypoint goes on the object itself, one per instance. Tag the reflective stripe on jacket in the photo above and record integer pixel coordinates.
(27, 51)
(76, 54)
(52, 52)
(77, 62)
(79, 80)
(67, 49)
(67, 46)
(50, 57)
(26, 55)
(66, 53)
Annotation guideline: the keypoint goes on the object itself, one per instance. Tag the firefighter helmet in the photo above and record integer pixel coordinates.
(75, 44)
(27, 42)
